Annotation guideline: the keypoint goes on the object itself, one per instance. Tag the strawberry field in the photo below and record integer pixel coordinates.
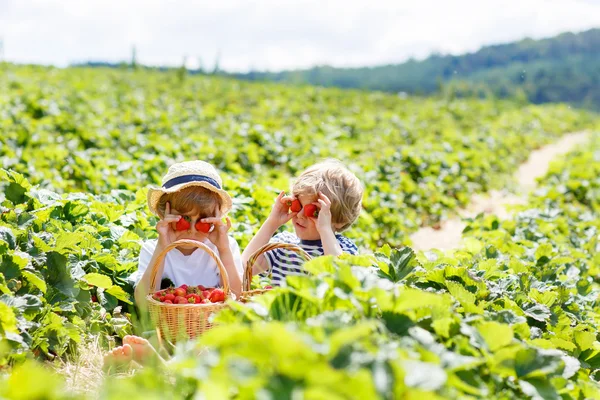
(513, 313)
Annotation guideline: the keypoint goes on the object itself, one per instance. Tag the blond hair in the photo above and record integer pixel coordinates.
(194, 199)
(336, 182)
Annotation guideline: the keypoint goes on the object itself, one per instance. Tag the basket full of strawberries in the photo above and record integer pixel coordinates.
(184, 311)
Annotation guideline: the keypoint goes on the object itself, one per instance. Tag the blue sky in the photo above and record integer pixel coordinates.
(274, 35)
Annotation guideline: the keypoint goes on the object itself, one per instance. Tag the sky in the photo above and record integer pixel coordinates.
(275, 34)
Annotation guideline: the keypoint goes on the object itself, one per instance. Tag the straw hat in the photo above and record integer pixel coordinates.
(186, 174)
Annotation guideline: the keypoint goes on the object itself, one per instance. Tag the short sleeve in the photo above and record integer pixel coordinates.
(282, 237)
(237, 256)
(347, 245)
(146, 252)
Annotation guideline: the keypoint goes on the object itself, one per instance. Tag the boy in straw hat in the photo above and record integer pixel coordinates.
(191, 204)
(335, 196)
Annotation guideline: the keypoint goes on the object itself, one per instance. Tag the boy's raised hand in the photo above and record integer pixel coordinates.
(218, 235)
(280, 213)
(323, 221)
(166, 234)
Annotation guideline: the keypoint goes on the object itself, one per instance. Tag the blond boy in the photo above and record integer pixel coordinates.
(337, 194)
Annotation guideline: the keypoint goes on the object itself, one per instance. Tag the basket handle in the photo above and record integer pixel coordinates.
(154, 281)
(268, 247)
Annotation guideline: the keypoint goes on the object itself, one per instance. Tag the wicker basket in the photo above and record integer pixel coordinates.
(183, 321)
(247, 281)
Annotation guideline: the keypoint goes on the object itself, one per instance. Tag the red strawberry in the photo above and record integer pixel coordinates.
(183, 224)
(156, 296)
(180, 300)
(180, 292)
(203, 227)
(205, 294)
(217, 296)
(191, 300)
(184, 286)
(296, 206)
(168, 302)
(169, 297)
(311, 211)
(206, 301)
(162, 299)
(94, 299)
(201, 287)
(268, 287)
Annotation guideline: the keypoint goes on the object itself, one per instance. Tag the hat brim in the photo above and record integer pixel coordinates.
(155, 193)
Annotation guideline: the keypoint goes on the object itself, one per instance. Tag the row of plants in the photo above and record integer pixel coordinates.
(95, 131)
(511, 314)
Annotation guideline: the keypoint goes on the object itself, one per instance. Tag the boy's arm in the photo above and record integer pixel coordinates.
(331, 246)
(261, 238)
(235, 282)
(279, 215)
(143, 287)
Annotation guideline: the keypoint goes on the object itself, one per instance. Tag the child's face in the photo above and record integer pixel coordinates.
(304, 226)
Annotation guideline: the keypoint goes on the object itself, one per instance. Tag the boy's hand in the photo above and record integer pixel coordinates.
(323, 221)
(280, 213)
(166, 233)
(218, 236)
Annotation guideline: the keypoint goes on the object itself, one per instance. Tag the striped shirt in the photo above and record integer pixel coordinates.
(283, 262)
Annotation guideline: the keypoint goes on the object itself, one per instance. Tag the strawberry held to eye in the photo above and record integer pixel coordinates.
(311, 211)
(203, 227)
(296, 206)
(183, 224)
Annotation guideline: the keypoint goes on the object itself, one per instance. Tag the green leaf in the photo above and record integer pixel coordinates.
(537, 311)
(7, 236)
(464, 297)
(534, 363)
(58, 276)
(32, 381)
(98, 280)
(119, 293)
(35, 280)
(15, 193)
(539, 389)
(585, 340)
(400, 264)
(495, 334)
(26, 302)
(8, 319)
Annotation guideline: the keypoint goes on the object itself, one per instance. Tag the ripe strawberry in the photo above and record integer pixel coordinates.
(180, 300)
(296, 206)
(170, 297)
(206, 301)
(203, 227)
(162, 299)
(184, 286)
(180, 292)
(156, 296)
(191, 300)
(217, 296)
(183, 224)
(201, 287)
(268, 287)
(311, 211)
(94, 299)
(205, 294)
(168, 302)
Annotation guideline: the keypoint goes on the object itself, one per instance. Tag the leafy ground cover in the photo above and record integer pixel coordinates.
(511, 314)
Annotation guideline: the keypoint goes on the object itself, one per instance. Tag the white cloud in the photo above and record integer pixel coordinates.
(273, 35)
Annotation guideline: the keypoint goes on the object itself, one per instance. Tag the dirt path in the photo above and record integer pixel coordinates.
(497, 202)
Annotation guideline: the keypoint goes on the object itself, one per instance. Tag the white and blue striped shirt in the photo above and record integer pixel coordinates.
(283, 262)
